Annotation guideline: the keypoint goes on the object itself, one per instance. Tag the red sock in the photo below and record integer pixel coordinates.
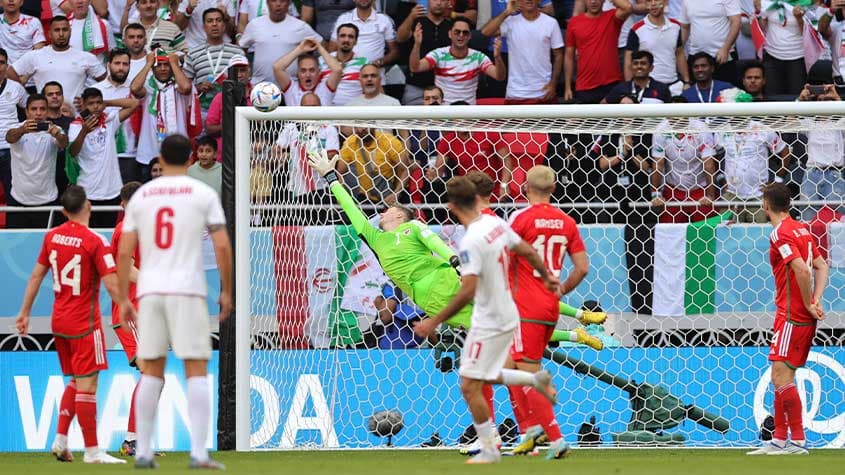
(86, 412)
(487, 390)
(67, 408)
(542, 410)
(520, 408)
(781, 426)
(130, 427)
(794, 411)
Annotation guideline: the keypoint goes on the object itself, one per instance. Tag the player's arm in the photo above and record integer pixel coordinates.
(803, 278)
(820, 275)
(223, 254)
(436, 245)
(580, 268)
(110, 283)
(125, 265)
(32, 286)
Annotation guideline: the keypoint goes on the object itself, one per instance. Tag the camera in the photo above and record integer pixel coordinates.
(42, 126)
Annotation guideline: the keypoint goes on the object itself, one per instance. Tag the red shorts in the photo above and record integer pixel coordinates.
(83, 356)
(791, 343)
(129, 342)
(530, 341)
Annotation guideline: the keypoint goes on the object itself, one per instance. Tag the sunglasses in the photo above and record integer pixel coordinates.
(461, 32)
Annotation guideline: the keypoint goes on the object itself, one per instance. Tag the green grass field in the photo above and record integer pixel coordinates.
(398, 462)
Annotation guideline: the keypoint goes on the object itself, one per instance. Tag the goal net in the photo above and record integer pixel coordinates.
(667, 201)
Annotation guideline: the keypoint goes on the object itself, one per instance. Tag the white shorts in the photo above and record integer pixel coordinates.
(176, 321)
(485, 353)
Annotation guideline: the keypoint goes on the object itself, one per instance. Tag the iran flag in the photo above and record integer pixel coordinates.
(684, 267)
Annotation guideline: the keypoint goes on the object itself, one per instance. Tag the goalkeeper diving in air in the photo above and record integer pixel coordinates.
(419, 262)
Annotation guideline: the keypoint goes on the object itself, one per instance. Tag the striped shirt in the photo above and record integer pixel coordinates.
(206, 63)
(166, 34)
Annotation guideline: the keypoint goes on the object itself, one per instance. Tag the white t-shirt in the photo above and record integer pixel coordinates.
(135, 67)
(170, 215)
(257, 8)
(485, 252)
(71, 68)
(783, 41)
(13, 95)
(747, 158)
(661, 42)
(684, 154)
(302, 178)
(293, 94)
(373, 33)
(457, 77)
(99, 171)
(708, 22)
(125, 138)
(272, 41)
(626, 26)
(19, 37)
(379, 100)
(34, 168)
(529, 63)
(194, 32)
(350, 83)
(149, 141)
(825, 143)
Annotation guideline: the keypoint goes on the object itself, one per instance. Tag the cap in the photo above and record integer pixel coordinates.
(238, 60)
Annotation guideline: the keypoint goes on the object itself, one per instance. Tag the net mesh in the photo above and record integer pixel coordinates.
(669, 211)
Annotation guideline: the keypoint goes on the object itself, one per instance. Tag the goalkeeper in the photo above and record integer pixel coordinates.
(404, 248)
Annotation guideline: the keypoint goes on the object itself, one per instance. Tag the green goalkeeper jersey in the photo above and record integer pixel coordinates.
(407, 254)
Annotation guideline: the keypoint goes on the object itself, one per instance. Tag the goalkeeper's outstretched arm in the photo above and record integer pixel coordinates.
(435, 244)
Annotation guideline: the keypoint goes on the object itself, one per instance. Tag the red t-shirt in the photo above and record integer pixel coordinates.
(790, 240)
(551, 232)
(477, 152)
(527, 149)
(133, 296)
(78, 258)
(595, 40)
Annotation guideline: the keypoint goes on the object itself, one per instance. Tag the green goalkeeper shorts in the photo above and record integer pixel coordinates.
(435, 291)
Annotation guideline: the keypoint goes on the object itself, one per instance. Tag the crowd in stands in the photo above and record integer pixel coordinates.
(89, 89)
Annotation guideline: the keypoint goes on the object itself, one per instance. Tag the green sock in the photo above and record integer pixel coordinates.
(569, 310)
(564, 335)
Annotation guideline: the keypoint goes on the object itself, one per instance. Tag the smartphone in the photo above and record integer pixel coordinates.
(816, 90)
(84, 114)
(42, 126)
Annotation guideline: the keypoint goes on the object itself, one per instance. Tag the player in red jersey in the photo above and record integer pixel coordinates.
(78, 258)
(800, 278)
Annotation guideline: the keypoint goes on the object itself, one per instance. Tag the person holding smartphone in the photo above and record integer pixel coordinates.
(34, 144)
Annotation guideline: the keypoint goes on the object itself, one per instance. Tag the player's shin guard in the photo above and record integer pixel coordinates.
(86, 413)
(794, 412)
(146, 402)
(487, 391)
(67, 409)
(543, 413)
(199, 409)
(781, 425)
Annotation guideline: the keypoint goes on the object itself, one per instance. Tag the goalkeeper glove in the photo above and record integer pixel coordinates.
(455, 262)
(322, 164)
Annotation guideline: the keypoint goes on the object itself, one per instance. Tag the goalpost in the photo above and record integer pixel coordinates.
(690, 306)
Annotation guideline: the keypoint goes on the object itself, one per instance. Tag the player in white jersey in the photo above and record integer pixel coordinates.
(166, 218)
(484, 254)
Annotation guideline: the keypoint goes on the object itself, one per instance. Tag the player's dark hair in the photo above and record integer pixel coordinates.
(114, 53)
(52, 83)
(210, 11)
(483, 183)
(348, 25)
(207, 141)
(461, 192)
(91, 92)
(778, 196)
(643, 54)
(175, 150)
(74, 199)
(128, 190)
(407, 212)
(4, 54)
(59, 18)
(34, 98)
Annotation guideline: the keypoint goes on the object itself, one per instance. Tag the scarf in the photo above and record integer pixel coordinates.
(94, 33)
(782, 5)
(162, 105)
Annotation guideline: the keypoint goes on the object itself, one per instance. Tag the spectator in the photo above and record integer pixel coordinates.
(435, 34)
(622, 175)
(473, 151)
(214, 119)
(206, 64)
(94, 146)
(308, 78)
(135, 41)
(426, 186)
(129, 11)
(33, 145)
(155, 169)
(753, 76)
(825, 141)
(457, 67)
(88, 32)
(251, 9)
(592, 36)
(746, 166)
(661, 37)
(164, 33)
(524, 151)
(783, 55)
(397, 315)
(423, 148)
(191, 19)
(60, 114)
(350, 82)
(58, 62)
(642, 87)
(323, 14)
(465, 8)
(705, 89)
(166, 94)
(116, 86)
(684, 170)
(638, 10)
(12, 96)
(19, 33)
(272, 36)
(531, 34)
(712, 27)
(377, 164)
(375, 33)
(207, 169)
(371, 88)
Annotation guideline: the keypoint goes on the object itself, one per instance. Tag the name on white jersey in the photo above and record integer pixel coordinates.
(168, 190)
(63, 240)
(492, 235)
(548, 223)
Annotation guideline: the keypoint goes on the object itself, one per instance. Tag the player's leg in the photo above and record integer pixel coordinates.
(129, 343)
(471, 389)
(586, 317)
(67, 406)
(153, 342)
(783, 378)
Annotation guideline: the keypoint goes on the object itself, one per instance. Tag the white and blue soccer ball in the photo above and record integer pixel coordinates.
(265, 96)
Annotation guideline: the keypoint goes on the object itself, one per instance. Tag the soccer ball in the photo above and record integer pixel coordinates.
(265, 96)
(386, 423)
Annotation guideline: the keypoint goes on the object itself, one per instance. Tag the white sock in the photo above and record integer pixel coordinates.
(515, 377)
(579, 313)
(146, 404)
(130, 436)
(486, 432)
(61, 440)
(573, 337)
(199, 408)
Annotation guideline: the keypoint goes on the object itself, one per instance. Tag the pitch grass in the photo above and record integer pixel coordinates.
(441, 462)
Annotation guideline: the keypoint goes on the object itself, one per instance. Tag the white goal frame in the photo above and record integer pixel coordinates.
(571, 113)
